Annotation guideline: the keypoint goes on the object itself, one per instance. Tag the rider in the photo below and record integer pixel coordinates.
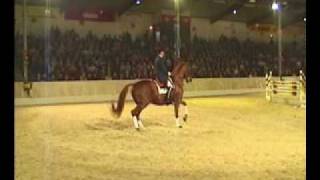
(162, 72)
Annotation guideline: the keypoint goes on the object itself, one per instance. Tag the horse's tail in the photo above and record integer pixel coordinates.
(116, 111)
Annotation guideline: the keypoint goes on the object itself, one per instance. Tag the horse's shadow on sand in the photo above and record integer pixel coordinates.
(105, 123)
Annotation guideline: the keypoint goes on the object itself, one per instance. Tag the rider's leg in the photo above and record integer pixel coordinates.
(168, 94)
(170, 86)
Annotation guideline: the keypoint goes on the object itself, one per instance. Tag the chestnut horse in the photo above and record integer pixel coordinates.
(145, 92)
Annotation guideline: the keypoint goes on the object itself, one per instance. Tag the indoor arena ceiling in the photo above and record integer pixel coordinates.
(248, 11)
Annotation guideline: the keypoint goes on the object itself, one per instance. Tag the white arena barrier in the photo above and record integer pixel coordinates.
(291, 91)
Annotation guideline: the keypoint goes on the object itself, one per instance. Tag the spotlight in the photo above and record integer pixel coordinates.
(275, 6)
(150, 28)
(234, 11)
(304, 19)
(138, 2)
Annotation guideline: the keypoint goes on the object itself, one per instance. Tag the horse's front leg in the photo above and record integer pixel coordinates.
(185, 111)
(176, 112)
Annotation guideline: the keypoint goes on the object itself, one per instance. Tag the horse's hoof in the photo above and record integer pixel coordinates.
(185, 118)
(180, 126)
(138, 129)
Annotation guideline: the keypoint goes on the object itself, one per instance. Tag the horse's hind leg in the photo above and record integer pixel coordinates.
(136, 116)
(140, 121)
(185, 112)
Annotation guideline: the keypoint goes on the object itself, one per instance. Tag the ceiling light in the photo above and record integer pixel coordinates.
(275, 6)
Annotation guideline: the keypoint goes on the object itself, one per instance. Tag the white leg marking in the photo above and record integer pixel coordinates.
(178, 122)
(140, 124)
(135, 122)
(186, 112)
(185, 116)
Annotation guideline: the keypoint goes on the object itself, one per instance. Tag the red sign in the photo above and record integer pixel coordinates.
(263, 28)
(183, 19)
(89, 14)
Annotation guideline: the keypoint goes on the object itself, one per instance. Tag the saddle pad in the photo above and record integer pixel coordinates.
(161, 90)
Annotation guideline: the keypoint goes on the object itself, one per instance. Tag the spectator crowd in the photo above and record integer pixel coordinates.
(69, 56)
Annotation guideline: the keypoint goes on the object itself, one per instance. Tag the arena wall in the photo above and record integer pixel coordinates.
(104, 90)
(137, 24)
(203, 28)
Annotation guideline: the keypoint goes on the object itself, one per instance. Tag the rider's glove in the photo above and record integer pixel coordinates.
(169, 73)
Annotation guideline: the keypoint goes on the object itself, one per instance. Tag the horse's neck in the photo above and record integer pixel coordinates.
(178, 82)
(176, 68)
(177, 77)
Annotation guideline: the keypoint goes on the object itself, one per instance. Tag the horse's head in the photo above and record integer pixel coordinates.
(181, 71)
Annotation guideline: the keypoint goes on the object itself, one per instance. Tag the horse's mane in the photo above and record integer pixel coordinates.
(177, 66)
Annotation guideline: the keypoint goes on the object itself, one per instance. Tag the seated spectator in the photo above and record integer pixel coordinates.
(70, 56)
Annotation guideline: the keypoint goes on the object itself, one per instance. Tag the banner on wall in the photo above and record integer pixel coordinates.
(183, 19)
(263, 28)
(168, 27)
(40, 12)
(89, 14)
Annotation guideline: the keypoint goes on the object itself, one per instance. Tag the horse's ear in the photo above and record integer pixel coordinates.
(178, 61)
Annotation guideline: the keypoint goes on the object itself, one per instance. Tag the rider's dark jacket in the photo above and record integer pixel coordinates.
(161, 69)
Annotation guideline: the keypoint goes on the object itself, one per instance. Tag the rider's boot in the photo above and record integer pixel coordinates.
(168, 100)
